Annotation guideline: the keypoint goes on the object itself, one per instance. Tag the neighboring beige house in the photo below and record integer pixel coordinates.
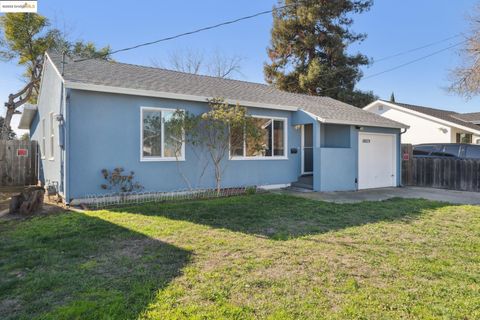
(429, 125)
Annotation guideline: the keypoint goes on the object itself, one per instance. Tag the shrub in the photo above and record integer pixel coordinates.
(251, 190)
(120, 182)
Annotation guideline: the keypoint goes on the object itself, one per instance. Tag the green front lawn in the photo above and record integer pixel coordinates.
(261, 256)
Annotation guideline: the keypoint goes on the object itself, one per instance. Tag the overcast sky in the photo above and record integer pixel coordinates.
(392, 27)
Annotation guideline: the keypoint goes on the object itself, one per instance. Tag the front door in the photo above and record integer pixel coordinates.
(307, 149)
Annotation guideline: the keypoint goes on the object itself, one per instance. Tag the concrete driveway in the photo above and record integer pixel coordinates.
(450, 196)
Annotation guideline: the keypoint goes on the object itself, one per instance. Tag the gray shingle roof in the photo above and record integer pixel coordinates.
(121, 75)
(470, 117)
(446, 115)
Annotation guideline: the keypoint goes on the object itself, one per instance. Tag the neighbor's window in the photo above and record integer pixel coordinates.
(44, 147)
(159, 139)
(464, 138)
(272, 140)
(52, 136)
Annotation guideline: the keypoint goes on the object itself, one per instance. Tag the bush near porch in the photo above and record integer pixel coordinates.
(261, 256)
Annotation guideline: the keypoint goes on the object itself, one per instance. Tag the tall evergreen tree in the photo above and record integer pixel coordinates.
(308, 49)
(392, 97)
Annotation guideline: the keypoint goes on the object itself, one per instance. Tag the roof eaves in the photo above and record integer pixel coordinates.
(430, 117)
(169, 95)
(47, 56)
(28, 114)
(390, 124)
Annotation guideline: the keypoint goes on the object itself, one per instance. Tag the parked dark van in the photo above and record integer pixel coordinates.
(447, 150)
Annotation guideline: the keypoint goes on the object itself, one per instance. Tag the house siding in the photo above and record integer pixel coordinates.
(339, 165)
(454, 131)
(104, 132)
(398, 136)
(421, 130)
(49, 101)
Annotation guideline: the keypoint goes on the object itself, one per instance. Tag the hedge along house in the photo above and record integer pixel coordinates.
(93, 114)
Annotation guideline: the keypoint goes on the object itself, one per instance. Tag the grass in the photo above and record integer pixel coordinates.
(262, 256)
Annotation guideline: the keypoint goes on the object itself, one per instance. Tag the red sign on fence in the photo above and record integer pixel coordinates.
(406, 157)
(22, 152)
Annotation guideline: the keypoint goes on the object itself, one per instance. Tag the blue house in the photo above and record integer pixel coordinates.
(92, 115)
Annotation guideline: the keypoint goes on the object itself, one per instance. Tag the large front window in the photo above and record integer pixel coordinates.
(160, 140)
(272, 141)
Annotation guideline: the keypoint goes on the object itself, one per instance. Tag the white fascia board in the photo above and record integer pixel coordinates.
(372, 104)
(421, 115)
(54, 66)
(364, 124)
(28, 114)
(311, 115)
(351, 123)
(168, 95)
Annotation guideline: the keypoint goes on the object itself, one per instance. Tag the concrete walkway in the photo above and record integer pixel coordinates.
(450, 196)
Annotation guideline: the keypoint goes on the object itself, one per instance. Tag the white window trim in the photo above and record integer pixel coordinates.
(158, 159)
(51, 138)
(44, 141)
(285, 143)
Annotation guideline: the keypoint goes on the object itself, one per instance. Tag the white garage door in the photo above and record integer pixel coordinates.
(377, 165)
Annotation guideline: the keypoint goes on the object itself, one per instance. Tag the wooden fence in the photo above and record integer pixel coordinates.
(18, 163)
(443, 173)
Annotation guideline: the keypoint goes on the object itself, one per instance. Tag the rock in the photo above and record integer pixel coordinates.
(28, 202)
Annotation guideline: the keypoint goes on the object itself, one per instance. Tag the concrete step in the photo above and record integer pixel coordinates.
(299, 189)
(304, 182)
(306, 179)
(302, 185)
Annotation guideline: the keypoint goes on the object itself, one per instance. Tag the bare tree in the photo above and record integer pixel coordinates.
(466, 78)
(184, 61)
(190, 61)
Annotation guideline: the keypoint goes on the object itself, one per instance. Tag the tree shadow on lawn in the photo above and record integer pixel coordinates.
(73, 266)
(283, 217)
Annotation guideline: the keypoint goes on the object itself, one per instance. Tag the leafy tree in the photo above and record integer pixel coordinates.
(25, 137)
(23, 39)
(26, 37)
(308, 50)
(214, 131)
(223, 126)
(357, 98)
(10, 134)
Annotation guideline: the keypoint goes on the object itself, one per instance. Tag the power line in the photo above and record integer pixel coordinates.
(251, 17)
(375, 61)
(192, 32)
(415, 49)
(404, 64)
(283, 7)
(340, 71)
(415, 60)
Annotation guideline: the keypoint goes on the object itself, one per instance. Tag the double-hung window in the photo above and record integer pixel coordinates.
(44, 143)
(273, 141)
(160, 140)
(52, 136)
